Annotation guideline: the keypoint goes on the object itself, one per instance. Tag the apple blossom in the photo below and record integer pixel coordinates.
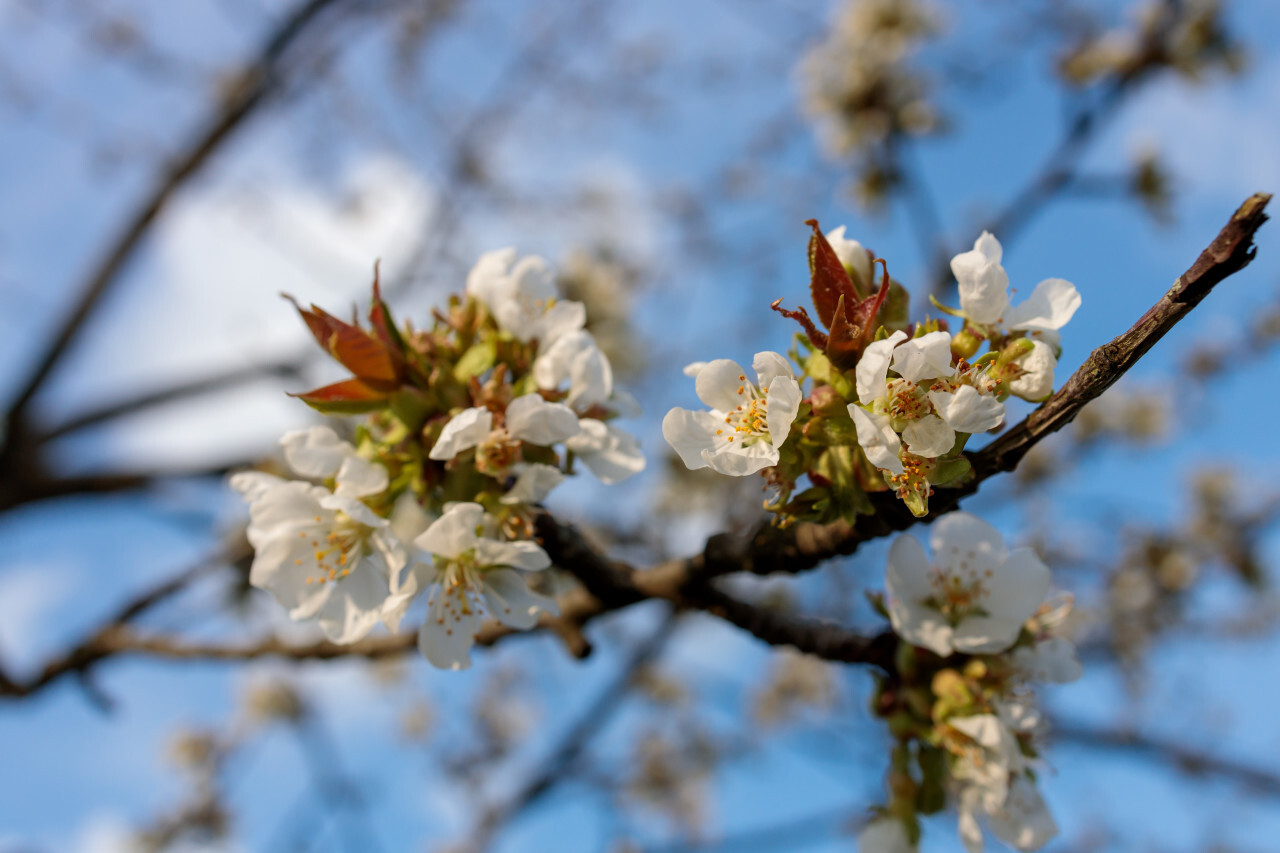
(748, 421)
(522, 297)
(470, 574)
(529, 418)
(973, 598)
(321, 551)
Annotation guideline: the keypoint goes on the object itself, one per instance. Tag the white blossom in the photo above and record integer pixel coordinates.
(575, 357)
(748, 421)
(929, 436)
(529, 418)
(522, 297)
(323, 553)
(608, 452)
(973, 598)
(472, 574)
(1021, 819)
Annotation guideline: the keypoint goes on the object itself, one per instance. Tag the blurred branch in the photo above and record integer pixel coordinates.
(561, 760)
(1190, 761)
(255, 83)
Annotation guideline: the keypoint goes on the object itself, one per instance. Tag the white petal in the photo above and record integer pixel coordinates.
(1049, 306)
(1024, 821)
(968, 410)
(511, 602)
(408, 518)
(487, 280)
(735, 460)
(878, 440)
(873, 367)
(693, 368)
(929, 437)
(967, 821)
(1037, 382)
(784, 404)
(520, 555)
(590, 379)
(358, 478)
(562, 318)
(689, 434)
(1019, 586)
(533, 483)
(983, 283)
(355, 605)
(254, 484)
(718, 384)
(609, 453)
(315, 452)
(454, 532)
(531, 418)
(463, 431)
(447, 644)
(769, 365)
(353, 507)
(283, 509)
(404, 589)
(960, 537)
(909, 571)
(925, 357)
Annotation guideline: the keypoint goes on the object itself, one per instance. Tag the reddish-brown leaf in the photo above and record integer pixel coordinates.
(801, 316)
(829, 280)
(351, 396)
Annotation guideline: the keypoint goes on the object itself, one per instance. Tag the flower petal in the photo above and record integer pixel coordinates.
(254, 484)
(925, 357)
(967, 410)
(929, 437)
(454, 532)
(533, 483)
(520, 555)
(718, 384)
(315, 452)
(446, 641)
(358, 478)
(463, 431)
(690, 434)
(872, 371)
(1049, 307)
(531, 418)
(878, 440)
(511, 602)
(1037, 382)
(961, 537)
(356, 603)
(769, 365)
(609, 453)
(784, 403)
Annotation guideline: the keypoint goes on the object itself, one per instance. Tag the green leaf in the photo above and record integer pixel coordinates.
(951, 472)
(476, 360)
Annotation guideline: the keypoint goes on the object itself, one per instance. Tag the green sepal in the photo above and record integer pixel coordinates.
(833, 431)
(951, 472)
(931, 797)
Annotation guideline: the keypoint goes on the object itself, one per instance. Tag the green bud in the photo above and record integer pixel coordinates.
(966, 343)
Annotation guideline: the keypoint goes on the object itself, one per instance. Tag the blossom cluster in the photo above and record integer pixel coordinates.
(977, 634)
(468, 424)
(891, 404)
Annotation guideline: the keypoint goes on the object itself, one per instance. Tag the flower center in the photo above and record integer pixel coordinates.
(336, 549)
(960, 591)
(457, 590)
(748, 422)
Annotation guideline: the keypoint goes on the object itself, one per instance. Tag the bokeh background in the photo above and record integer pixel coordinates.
(168, 169)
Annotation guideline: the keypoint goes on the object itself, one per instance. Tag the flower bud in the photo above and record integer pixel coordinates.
(965, 344)
(827, 401)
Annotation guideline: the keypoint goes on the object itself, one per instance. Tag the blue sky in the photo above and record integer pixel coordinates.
(282, 210)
